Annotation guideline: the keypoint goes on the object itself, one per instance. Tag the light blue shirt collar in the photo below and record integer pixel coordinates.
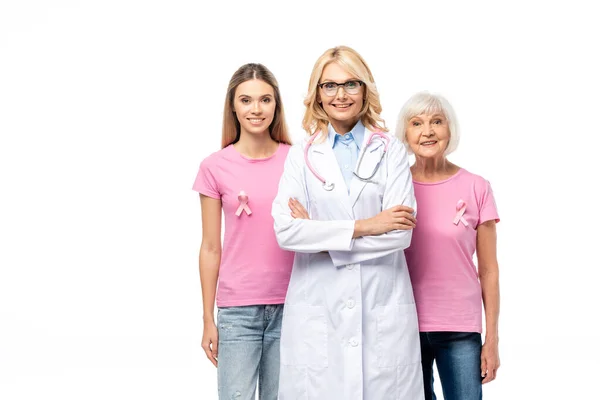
(357, 133)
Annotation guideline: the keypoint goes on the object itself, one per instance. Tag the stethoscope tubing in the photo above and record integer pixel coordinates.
(329, 186)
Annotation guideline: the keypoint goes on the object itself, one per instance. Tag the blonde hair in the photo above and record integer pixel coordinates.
(429, 104)
(315, 118)
(231, 126)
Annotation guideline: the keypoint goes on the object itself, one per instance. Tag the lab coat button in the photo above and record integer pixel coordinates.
(350, 266)
(350, 303)
(353, 342)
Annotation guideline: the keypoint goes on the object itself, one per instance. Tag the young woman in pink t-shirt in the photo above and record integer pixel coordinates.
(240, 181)
(457, 218)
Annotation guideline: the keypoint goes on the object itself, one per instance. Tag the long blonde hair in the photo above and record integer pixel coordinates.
(315, 118)
(231, 126)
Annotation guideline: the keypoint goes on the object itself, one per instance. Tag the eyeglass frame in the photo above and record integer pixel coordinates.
(338, 85)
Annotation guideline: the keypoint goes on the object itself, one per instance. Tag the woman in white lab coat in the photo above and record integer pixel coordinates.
(350, 325)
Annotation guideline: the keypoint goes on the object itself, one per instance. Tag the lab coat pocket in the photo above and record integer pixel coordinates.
(397, 336)
(304, 336)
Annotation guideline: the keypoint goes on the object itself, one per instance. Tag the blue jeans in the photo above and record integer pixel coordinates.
(249, 351)
(458, 359)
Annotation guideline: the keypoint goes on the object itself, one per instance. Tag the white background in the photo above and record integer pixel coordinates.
(108, 107)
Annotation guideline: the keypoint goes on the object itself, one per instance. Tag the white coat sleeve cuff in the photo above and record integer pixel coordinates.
(309, 236)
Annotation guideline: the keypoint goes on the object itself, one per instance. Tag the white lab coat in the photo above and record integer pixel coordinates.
(350, 325)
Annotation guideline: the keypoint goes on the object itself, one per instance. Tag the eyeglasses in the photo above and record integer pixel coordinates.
(331, 88)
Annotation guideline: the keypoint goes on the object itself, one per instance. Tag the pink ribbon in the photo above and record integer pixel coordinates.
(243, 198)
(461, 207)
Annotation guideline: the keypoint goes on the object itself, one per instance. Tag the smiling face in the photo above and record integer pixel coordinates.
(254, 106)
(428, 135)
(343, 109)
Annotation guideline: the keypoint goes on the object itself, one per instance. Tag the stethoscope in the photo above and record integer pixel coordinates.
(329, 186)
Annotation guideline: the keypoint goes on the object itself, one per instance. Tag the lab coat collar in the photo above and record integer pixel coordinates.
(323, 159)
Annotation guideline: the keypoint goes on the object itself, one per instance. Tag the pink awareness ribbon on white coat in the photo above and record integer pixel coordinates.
(243, 198)
(461, 207)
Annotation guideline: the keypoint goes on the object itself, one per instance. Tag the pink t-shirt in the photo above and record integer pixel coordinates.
(253, 270)
(440, 258)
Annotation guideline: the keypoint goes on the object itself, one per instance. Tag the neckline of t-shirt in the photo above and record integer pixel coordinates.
(279, 147)
(460, 170)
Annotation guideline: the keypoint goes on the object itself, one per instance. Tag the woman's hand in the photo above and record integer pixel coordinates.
(490, 361)
(210, 341)
(395, 218)
(297, 209)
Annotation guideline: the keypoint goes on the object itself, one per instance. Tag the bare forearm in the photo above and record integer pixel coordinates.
(361, 228)
(395, 218)
(209, 274)
(490, 288)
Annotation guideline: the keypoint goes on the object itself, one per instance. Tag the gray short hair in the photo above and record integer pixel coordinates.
(427, 103)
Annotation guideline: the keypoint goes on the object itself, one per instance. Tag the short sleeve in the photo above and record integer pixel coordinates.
(205, 182)
(487, 204)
